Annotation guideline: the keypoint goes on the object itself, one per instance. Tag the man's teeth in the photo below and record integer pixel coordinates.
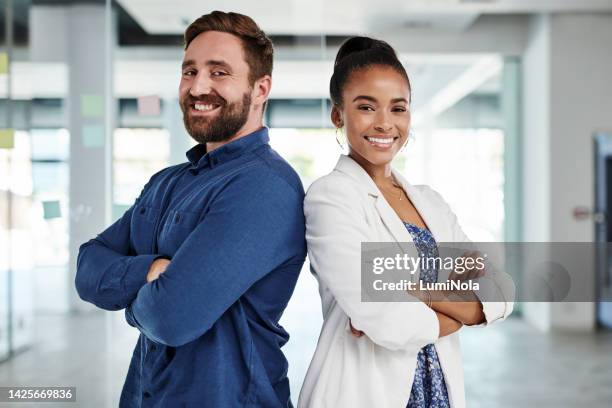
(202, 107)
(383, 141)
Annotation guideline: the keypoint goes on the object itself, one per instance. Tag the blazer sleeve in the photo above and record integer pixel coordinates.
(496, 289)
(336, 226)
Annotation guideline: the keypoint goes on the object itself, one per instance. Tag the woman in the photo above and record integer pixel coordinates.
(382, 354)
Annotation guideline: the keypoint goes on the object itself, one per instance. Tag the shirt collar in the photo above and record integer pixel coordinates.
(200, 158)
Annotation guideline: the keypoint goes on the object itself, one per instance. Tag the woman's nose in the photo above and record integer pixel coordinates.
(383, 122)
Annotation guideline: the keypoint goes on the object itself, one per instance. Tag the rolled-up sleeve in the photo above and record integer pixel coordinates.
(496, 289)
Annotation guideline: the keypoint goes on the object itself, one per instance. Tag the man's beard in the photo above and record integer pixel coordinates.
(228, 121)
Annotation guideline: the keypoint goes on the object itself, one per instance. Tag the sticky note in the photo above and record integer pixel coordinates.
(149, 105)
(3, 63)
(93, 136)
(7, 138)
(51, 209)
(92, 106)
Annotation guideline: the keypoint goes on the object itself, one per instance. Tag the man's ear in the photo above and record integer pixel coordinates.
(336, 117)
(261, 89)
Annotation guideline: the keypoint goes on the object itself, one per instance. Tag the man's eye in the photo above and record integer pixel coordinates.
(219, 73)
(189, 73)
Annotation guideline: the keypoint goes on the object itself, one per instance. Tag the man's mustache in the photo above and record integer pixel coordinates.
(205, 99)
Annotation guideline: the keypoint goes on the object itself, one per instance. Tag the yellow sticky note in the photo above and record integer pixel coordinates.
(7, 138)
(3, 63)
(92, 106)
(93, 136)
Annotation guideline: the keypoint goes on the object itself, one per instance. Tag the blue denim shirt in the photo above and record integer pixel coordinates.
(231, 221)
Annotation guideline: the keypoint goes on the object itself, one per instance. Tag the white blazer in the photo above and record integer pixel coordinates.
(342, 210)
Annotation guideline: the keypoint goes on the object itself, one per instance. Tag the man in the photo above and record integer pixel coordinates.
(207, 258)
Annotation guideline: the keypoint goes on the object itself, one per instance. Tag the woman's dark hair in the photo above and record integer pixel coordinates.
(359, 53)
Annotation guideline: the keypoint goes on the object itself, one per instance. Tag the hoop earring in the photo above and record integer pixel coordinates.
(408, 139)
(337, 140)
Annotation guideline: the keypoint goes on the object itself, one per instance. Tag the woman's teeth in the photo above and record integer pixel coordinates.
(381, 141)
(201, 107)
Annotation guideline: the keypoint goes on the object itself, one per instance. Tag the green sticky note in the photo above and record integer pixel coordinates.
(92, 106)
(119, 210)
(3, 63)
(51, 209)
(93, 136)
(7, 138)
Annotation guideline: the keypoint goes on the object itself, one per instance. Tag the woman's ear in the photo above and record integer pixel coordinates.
(336, 117)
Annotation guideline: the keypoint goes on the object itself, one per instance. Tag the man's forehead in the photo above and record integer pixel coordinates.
(215, 45)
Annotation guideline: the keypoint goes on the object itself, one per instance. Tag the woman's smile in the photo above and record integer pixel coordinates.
(381, 142)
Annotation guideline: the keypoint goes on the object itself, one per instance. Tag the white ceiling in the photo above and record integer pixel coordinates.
(344, 17)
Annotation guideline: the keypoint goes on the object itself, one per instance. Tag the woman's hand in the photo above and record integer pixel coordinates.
(448, 325)
(354, 331)
(472, 273)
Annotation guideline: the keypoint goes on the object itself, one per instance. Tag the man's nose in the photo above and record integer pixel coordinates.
(201, 85)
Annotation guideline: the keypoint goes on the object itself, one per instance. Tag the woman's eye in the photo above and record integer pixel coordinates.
(366, 108)
(399, 109)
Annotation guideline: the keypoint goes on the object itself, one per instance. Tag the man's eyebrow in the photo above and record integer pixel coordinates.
(218, 63)
(209, 63)
(187, 63)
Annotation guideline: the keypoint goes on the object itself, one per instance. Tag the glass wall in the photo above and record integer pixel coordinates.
(16, 185)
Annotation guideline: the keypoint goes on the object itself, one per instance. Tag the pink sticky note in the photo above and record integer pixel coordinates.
(149, 105)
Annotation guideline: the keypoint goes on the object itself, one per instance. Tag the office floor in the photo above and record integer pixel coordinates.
(510, 365)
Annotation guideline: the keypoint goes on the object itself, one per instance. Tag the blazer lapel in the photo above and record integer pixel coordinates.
(393, 223)
(424, 207)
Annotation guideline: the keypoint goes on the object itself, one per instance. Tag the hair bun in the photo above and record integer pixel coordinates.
(360, 44)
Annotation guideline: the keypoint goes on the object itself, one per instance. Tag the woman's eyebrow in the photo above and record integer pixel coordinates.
(372, 99)
(366, 97)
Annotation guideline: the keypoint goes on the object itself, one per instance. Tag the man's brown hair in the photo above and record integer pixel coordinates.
(257, 46)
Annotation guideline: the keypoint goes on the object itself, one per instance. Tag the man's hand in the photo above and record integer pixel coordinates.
(157, 268)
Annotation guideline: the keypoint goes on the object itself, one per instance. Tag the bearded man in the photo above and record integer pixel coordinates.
(207, 258)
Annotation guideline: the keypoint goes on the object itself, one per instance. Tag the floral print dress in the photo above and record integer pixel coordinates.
(428, 387)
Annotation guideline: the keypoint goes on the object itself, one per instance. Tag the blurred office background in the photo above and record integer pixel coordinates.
(512, 124)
